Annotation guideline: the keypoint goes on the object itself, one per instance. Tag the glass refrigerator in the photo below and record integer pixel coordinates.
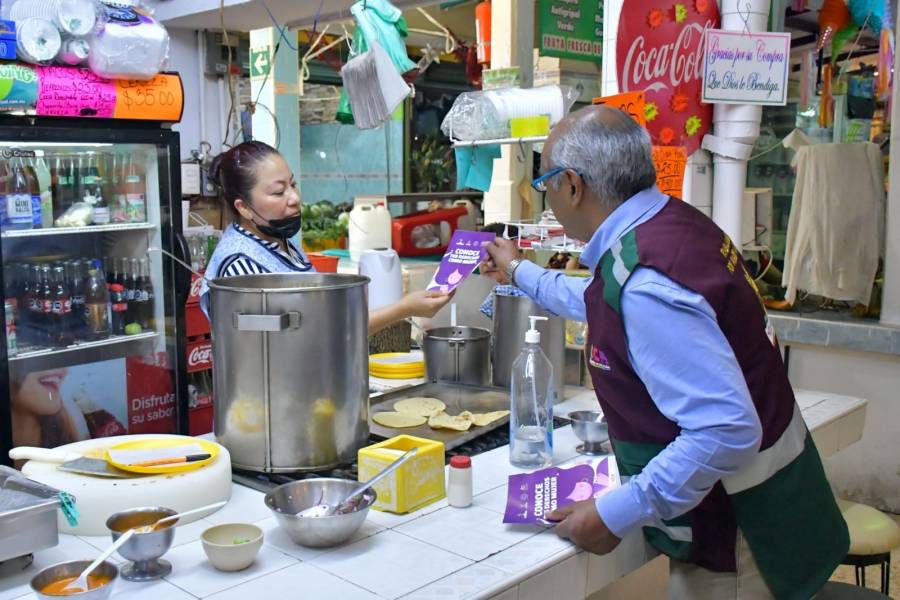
(94, 306)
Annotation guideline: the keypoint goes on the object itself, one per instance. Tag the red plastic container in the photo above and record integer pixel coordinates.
(402, 229)
(323, 263)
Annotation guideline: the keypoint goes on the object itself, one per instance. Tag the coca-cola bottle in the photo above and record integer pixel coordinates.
(118, 307)
(46, 300)
(131, 282)
(100, 422)
(31, 307)
(146, 305)
(61, 315)
(76, 289)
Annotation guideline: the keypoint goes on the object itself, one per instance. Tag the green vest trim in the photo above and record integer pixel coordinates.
(616, 266)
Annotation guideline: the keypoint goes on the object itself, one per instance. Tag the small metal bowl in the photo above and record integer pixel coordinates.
(74, 569)
(591, 428)
(288, 499)
(144, 549)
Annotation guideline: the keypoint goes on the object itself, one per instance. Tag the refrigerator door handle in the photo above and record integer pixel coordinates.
(182, 275)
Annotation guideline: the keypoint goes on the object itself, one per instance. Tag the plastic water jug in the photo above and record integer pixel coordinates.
(382, 267)
(369, 228)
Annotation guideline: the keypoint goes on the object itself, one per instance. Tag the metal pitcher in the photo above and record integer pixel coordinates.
(290, 369)
(510, 324)
(458, 355)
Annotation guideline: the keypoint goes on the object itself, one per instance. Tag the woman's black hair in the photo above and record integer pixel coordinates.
(234, 171)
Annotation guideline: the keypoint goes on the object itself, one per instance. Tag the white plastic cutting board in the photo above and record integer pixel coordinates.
(97, 497)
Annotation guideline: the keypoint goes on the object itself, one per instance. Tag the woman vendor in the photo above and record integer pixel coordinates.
(260, 190)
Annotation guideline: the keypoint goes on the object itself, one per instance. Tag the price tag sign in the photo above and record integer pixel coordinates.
(160, 99)
(630, 102)
(670, 162)
(68, 92)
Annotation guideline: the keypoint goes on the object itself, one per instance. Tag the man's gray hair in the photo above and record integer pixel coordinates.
(613, 153)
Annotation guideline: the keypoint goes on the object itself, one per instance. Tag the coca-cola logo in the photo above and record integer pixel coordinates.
(200, 356)
(660, 51)
(195, 287)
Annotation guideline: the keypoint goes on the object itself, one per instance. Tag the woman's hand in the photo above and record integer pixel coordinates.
(424, 303)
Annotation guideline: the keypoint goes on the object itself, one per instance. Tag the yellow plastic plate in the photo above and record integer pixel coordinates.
(154, 443)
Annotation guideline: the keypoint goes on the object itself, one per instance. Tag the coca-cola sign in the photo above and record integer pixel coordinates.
(660, 50)
(199, 356)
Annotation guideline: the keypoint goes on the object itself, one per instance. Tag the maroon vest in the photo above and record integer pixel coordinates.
(690, 249)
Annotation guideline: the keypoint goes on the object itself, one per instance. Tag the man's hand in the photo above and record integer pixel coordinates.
(580, 523)
(502, 252)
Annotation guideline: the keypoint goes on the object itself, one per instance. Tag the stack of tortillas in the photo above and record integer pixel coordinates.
(413, 412)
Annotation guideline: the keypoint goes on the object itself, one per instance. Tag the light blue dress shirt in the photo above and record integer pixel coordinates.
(676, 347)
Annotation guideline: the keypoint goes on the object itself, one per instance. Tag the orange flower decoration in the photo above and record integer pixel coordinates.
(679, 101)
(655, 18)
(701, 6)
(666, 136)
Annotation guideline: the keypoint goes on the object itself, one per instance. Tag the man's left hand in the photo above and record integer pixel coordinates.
(580, 523)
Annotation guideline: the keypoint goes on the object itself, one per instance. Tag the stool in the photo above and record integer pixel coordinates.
(873, 535)
(835, 590)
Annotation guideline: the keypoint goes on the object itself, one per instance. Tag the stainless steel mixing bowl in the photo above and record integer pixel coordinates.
(590, 427)
(74, 569)
(144, 549)
(288, 499)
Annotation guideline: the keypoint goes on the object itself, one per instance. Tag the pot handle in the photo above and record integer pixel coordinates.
(288, 320)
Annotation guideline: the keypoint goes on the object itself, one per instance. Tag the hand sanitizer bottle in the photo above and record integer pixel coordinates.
(531, 405)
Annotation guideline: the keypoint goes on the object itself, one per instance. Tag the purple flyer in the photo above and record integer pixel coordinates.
(464, 253)
(530, 495)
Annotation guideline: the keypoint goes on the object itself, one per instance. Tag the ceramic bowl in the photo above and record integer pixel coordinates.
(232, 546)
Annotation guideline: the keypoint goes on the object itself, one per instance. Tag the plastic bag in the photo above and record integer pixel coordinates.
(130, 44)
(80, 214)
(485, 115)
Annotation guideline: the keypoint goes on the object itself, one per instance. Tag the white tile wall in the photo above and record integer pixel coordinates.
(472, 532)
(298, 581)
(510, 594)
(194, 574)
(494, 500)
(390, 564)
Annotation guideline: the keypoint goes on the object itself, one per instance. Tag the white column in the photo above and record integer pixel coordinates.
(612, 9)
(890, 300)
(278, 93)
(512, 41)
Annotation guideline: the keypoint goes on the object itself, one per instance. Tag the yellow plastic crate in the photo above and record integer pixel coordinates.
(417, 482)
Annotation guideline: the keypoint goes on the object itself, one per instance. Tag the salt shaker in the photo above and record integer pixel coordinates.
(459, 482)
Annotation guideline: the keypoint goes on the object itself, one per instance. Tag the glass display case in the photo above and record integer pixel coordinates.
(92, 344)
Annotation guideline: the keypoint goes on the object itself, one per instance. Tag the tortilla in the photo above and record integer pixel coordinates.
(398, 419)
(482, 419)
(423, 407)
(444, 421)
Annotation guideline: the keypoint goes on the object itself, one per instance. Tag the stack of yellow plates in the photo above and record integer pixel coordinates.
(397, 365)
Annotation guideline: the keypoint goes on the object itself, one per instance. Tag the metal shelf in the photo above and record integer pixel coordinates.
(25, 233)
(81, 346)
(537, 139)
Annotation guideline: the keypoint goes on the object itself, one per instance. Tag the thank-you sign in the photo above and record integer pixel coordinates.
(746, 68)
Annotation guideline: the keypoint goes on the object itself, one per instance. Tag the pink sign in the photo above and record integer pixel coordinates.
(660, 51)
(68, 92)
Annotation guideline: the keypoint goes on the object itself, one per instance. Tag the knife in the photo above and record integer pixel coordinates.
(71, 462)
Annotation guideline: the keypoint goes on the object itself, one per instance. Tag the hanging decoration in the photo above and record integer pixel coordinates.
(867, 13)
(660, 49)
(884, 80)
(826, 108)
(833, 16)
(840, 39)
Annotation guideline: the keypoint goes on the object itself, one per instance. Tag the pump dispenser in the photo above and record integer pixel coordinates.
(531, 404)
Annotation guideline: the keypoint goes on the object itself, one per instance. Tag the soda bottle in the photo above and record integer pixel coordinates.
(130, 280)
(62, 185)
(34, 189)
(60, 325)
(10, 285)
(135, 191)
(110, 263)
(12, 347)
(18, 198)
(76, 288)
(29, 304)
(42, 175)
(100, 422)
(4, 189)
(96, 303)
(118, 197)
(146, 316)
(118, 307)
(101, 209)
(45, 330)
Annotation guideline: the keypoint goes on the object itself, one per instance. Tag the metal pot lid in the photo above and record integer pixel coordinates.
(287, 283)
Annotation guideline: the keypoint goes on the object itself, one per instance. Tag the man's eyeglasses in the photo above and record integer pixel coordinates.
(540, 183)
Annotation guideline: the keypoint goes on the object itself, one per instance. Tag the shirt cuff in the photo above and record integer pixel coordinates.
(526, 277)
(621, 511)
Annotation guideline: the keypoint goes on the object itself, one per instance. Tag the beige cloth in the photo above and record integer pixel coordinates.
(690, 582)
(836, 228)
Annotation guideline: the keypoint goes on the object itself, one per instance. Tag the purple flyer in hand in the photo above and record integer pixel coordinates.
(464, 253)
(530, 495)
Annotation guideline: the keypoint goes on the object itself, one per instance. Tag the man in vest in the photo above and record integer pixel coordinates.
(717, 465)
